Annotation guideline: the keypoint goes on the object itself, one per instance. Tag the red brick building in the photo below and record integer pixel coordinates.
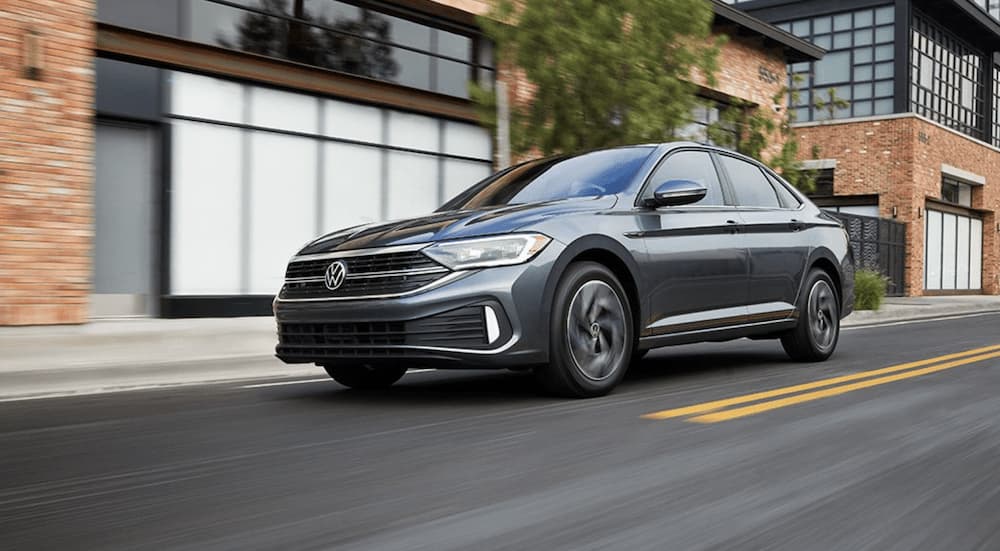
(917, 137)
(165, 157)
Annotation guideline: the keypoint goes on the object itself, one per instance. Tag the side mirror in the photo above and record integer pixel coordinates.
(676, 192)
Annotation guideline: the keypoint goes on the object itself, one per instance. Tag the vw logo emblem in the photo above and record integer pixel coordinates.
(335, 275)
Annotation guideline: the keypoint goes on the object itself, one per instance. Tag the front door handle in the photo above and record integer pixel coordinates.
(734, 226)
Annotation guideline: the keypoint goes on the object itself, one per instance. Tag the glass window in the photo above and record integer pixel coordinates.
(863, 37)
(413, 185)
(590, 174)
(842, 22)
(206, 98)
(885, 15)
(341, 37)
(822, 25)
(351, 121)
(282, 204)
(352, 185)
(413, 131)
(863, 18)
(206, 173)
(695, 166)
(883, 88)
(467, 140)
(841, 41)
(751, 186)
(835, 67)
(956, 192)
(862, 91)
(270, 108)
(824, 41)
(800, 28)
(787, 198)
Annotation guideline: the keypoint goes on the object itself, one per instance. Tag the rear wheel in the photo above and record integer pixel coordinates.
(365, 377)
(815, 338)
(592, 337)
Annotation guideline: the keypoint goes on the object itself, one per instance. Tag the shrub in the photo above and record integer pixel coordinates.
(869, 289)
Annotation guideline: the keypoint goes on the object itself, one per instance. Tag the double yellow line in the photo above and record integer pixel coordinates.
(723, 410)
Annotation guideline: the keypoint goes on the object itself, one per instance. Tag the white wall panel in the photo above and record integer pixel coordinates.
(351, 121)
(413, 131)
(932, 267)
(271, 108)
(467, 140)
(962, 254)
(948, 250)
(205, 209)
(282, 205)
(976, 256)
(352, 192)
(206, 97)
(412, 184)
(461, 175)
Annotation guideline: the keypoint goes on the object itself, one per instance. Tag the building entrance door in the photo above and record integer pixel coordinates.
(953, 251)
(124, 221)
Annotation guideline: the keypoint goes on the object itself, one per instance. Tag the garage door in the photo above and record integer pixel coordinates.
(953, 258)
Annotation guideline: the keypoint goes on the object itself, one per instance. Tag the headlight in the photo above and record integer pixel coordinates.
(505, 250)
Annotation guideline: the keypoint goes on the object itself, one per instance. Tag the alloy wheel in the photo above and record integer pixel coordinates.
(596, 330)
(822, 315)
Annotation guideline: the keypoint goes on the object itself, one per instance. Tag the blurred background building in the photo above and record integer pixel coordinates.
(918, 140)
(166, 157)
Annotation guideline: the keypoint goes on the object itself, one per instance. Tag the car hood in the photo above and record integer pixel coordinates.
(455, 224)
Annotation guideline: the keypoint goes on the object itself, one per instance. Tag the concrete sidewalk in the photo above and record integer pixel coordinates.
(110, 354)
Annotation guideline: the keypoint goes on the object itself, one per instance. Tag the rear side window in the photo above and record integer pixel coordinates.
(751, 186)
(788, 199)
(689, 165)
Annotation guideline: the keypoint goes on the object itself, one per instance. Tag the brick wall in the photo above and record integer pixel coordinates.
(899, 158)
(46, 140)
(740, 76)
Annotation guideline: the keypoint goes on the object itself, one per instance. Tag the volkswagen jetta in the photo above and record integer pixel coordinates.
(574, 266)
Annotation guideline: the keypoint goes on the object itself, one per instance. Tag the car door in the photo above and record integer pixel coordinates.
(773, 230)
(697, 264)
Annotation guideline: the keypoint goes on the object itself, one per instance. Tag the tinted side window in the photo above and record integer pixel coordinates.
(751, 186)
(788, 199)
(689, 165)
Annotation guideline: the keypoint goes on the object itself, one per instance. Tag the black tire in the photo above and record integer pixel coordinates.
(365, 377)
(591, 323)
(816, 336)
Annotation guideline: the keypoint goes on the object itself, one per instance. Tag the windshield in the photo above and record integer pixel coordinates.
(591, 174)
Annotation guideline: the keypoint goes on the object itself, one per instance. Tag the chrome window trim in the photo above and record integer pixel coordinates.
(361, 252)
(432, 285)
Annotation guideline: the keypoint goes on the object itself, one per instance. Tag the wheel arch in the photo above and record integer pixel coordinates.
(825, 260)
(604, 251)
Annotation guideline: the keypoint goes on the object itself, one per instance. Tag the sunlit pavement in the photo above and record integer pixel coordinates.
(892, 444)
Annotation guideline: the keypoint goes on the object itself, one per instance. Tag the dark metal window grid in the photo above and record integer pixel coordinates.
(868, 39)
(957, 71)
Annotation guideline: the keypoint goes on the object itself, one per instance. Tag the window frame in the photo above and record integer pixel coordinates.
(728, 196)
(764, 173)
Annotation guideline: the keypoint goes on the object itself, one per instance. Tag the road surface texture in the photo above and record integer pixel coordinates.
(894, 444)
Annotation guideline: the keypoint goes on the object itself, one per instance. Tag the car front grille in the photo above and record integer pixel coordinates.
(463, 328)
(374, 275)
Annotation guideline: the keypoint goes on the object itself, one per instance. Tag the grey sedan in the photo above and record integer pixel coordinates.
(573, 267)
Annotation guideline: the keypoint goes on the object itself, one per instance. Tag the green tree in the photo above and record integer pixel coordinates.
(604, 72)
(831, 105)
(746, 128)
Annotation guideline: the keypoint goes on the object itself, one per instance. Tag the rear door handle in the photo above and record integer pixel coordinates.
(796, 225)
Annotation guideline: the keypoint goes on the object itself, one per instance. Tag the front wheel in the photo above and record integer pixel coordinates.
(815, 338)
(591, 333)
(365, 377)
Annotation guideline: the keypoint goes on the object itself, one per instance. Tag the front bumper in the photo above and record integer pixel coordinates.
(444, 327)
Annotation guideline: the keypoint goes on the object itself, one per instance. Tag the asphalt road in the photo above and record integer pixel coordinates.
(797, 457)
